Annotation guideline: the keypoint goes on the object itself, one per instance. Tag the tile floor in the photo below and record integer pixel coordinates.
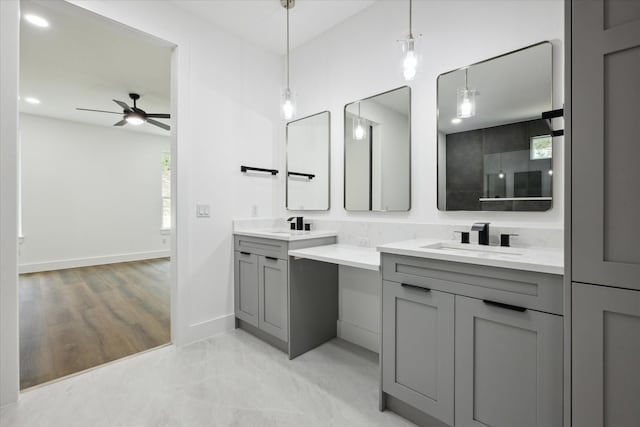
(232, 379)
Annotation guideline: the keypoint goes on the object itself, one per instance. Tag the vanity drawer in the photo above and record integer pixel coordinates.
(259, 246)
(537, 291)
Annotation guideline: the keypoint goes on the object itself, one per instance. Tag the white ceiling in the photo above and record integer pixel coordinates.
(85, 60)
(263, 22)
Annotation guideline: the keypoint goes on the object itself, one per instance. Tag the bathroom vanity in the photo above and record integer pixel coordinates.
(292, 318)
(472, 335)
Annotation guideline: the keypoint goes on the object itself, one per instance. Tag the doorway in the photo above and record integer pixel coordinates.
(95, 200)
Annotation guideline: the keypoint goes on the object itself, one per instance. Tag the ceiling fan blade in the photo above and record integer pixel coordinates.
(121, 123)
(99, 111)
(159, 115)
(157, 123)
(124, 106)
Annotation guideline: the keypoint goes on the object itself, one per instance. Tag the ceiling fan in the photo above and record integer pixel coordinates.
(134, 115)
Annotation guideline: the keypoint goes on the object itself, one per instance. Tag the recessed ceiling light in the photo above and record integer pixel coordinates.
(32, 100)
(36, 20)
(456, 120)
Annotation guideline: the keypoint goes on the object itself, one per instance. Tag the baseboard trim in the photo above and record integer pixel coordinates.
(359, 336)
(203, 330)
(37, 267)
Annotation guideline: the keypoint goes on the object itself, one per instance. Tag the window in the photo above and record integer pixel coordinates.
(541, 147)
(166, 191)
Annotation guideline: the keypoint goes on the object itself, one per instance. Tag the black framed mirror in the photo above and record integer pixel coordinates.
(495, 151)
(377, 152)
(308, 163)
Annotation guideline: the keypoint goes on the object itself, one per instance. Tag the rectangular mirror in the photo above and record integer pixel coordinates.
(308, 168)
(377, 152)
(494, 149)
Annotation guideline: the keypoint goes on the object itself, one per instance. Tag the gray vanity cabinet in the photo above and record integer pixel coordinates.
(280, 302)
(418, 347)
(246, 287)
(606, 356)
(508, 366)
(470, 345)
(272, 295)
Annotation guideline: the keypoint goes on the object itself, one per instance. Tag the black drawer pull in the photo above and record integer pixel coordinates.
(420, 288)
(271, 258)
(245, 253)
(503, 305)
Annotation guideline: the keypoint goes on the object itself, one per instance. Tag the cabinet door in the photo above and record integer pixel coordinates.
(604, 131)
(508, 366)
(273, 312)
(606, 356)
(417, 346)
(246, 287)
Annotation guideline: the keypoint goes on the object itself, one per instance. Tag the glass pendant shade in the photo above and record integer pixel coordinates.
(288, 105)
(360, 126)
(410, 59)
(466, 103)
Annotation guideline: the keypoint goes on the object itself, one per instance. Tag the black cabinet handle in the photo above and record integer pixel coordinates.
(271, 258)
(245, 253)
(420, 288)
(503, 305)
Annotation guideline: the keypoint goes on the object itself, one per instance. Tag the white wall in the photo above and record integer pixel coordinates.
(9, 36)
(90, 194)
(225, 95)
(360, 57)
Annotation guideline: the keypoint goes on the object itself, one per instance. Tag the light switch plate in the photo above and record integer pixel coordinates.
(203, 211)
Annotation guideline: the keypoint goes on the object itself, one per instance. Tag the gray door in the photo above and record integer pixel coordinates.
(417, 348)
(605, 135)
(508, 366)
(606, 356)
(246, 287)
(273, 311)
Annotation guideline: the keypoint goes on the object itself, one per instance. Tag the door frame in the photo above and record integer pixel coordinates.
(10, 363)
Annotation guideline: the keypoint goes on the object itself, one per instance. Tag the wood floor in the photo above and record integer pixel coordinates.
(75, 319)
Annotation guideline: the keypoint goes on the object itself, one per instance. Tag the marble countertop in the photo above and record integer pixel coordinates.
(284, 234)
(352, 256)
(542, 260)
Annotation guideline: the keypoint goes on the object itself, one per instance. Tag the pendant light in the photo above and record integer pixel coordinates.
(288, 102)
(359, 126)
(409, 53)
(501, 174)
(466, 99)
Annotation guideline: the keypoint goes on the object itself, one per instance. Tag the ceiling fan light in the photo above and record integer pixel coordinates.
(135, 119)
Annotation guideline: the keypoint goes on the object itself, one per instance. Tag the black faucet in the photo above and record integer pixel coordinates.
(483, 232)
(299, 222)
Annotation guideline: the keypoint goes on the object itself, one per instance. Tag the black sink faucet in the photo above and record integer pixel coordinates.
(299, 222)
(483, 232)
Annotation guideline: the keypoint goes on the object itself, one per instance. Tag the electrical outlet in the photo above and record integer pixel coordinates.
(364, 242)
(254, 211)
(203, 211)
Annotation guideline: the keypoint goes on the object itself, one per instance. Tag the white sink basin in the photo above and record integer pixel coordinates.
(465, 248)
